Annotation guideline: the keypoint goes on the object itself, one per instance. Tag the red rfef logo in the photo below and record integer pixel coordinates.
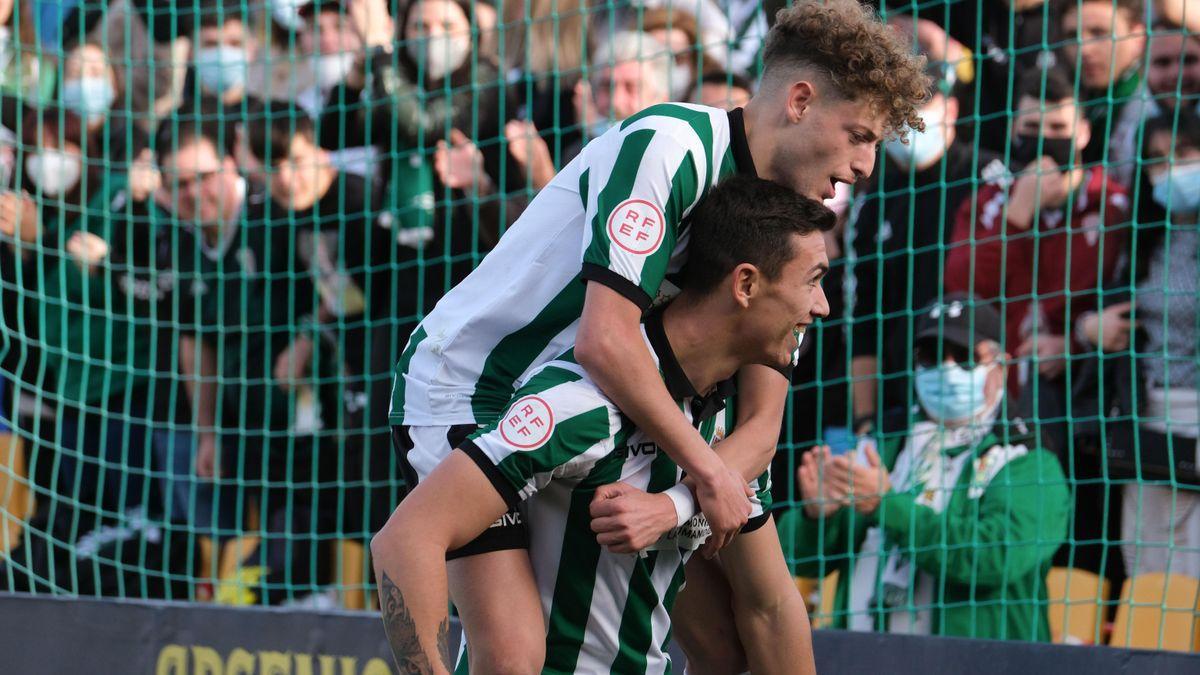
(637, 226)
(528, 423)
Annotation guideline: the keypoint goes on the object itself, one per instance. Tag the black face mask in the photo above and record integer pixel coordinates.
(1025, 150)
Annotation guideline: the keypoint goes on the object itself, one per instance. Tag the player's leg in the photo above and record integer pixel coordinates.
(490, 579)
(768, 610)
(702, 621)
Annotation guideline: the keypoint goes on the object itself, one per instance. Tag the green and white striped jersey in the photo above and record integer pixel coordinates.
(559, 441)
(615, 215)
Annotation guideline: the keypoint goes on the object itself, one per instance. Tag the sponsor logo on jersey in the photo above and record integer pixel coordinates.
(643, 449)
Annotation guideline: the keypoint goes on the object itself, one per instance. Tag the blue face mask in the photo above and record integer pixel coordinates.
(951, 393)
(923, 147)
(1179, 191)
(221, 68)
(88, 97)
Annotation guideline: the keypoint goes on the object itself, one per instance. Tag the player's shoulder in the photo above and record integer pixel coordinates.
(687, 123)
(557, 400)
(563, 381)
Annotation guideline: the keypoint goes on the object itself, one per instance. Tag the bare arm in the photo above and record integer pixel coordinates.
(448, 509)
(610, 347)
(762, 397)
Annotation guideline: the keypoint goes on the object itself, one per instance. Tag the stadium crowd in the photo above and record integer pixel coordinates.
(220, 220)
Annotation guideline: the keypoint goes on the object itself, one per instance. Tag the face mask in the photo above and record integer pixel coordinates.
(1025, 150)
(221, 68)
(1179, 190)
(952, 394)
(54, 171)
(439, 55)
(681, 81)
(88, 97)
(923, 147)
(287, 13)
(332, 69)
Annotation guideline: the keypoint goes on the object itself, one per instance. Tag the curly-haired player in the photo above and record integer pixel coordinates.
(836, 82)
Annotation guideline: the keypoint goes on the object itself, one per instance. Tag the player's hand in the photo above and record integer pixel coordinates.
(292, 363)
(206, 455)
(724, 500)
(820, 499)
(627, 520)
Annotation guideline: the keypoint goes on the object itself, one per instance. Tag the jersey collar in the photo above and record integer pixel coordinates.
(678, 384)
(739, 146)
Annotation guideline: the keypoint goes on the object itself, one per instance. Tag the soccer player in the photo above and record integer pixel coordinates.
(751, 287)
(836, 82)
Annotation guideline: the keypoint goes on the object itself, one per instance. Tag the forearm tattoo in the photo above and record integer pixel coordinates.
(402, 633)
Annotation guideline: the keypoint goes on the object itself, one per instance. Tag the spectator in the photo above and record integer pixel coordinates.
(677, 30)
(221, 56)
(1054, 210)
(342, 342)
(630, 72)
(1104, 42)
(329, 34)
(1173, 71)
(96, 280)
(1156, 404)
(27, 71)
(897, 232)
(949, 530)
(233, 292)
(93, 90)
(1004, 39)
(722, 90)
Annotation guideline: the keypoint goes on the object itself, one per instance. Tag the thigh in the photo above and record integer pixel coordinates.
(754, 566)
(702, 621)
(497, 600)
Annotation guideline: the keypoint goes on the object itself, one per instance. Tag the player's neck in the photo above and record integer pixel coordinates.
(699, 340)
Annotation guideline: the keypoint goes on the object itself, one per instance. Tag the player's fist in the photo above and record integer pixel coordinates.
(725, 504)
(627, 520)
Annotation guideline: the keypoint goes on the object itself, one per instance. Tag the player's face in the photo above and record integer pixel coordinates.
(789, 304)
(834, 141)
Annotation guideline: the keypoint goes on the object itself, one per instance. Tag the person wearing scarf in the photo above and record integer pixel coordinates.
(949, 529)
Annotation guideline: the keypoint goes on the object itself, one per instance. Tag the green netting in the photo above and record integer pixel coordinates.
(199, 335)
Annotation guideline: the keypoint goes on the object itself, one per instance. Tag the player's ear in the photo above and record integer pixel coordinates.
(799, 99)
(746, 283)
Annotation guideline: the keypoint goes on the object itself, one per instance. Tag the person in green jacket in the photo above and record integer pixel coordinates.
(950, 528)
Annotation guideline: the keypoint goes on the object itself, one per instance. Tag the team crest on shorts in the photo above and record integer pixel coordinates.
(528, 424)
(637, 226)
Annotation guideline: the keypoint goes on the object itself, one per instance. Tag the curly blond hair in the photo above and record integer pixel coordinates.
(862, 57)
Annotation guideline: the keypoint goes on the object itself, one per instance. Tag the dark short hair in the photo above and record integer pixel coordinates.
(271, 132)
(216, 13)
(1185, 131)
(194, 122)
(748, 220)
(1135, 8)
(1058, 85)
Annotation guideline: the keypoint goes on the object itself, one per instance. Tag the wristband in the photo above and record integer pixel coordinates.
(685, 504)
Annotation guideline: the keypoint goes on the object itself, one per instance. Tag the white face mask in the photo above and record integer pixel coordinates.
(439, 56)
(681, 81)
(54, 171)
(332, 69)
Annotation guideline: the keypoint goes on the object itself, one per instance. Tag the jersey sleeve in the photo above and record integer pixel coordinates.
(636, 194)
(557, 426)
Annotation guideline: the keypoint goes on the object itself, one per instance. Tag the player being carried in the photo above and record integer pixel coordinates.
(753, 281)
(836, 82)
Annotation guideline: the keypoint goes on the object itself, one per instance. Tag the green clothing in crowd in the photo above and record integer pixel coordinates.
(968, 559)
